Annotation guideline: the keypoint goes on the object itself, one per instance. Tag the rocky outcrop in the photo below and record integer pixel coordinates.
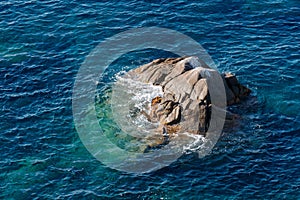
(186, 103)
(234, 90)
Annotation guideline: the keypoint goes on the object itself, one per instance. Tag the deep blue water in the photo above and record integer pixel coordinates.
(43, 44)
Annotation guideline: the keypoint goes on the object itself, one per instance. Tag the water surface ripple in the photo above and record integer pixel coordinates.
(42, 45)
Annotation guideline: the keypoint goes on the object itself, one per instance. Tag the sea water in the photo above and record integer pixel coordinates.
(44, 43)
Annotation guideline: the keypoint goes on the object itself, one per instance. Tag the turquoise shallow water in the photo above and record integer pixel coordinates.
(43, 44)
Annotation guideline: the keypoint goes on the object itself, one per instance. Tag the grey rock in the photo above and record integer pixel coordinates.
(185, 105)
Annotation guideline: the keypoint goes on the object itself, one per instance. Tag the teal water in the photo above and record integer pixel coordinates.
(42, 46)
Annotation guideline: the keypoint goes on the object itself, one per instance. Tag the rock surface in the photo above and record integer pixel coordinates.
(186, 104)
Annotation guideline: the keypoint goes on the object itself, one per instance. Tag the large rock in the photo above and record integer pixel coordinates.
(186, 104)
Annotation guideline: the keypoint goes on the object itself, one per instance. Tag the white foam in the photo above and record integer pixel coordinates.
(129, 99)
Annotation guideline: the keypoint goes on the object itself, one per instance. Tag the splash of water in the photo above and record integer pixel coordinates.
(130, 99)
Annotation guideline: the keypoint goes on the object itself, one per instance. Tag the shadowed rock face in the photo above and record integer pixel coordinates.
(186, 104)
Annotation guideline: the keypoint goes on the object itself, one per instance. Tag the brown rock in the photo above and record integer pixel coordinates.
(173, 117)
(234, 90)
(185, 104)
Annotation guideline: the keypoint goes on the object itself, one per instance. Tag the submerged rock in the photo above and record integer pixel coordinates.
(185, 105)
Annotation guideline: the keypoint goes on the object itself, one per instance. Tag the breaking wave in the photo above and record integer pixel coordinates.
(129, 100)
